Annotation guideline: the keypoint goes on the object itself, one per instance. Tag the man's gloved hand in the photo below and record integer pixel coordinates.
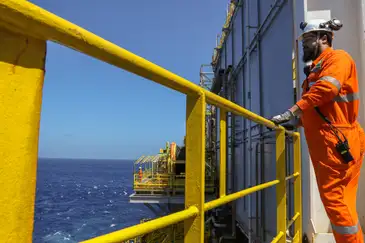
(282, 118)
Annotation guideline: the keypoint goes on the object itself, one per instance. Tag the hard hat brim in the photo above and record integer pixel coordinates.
(314, 30)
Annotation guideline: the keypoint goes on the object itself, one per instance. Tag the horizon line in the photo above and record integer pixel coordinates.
(42, 157)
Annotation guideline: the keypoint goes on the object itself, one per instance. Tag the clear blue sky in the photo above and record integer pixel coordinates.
(94, 110)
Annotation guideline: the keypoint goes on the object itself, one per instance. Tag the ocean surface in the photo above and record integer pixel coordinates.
(78, 199)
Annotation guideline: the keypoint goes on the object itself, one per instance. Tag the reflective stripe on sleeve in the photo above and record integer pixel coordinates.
(331, 80)
(347, 97)
(346, 229)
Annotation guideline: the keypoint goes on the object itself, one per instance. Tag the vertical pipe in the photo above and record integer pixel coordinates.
(281, 187)
(215, 143)
(233, 130)
(289, 183)
(22, 64)
(226, 95)
(244, 127)
(249, 161)
(303, 152)
(195, 167)
(298, 187)
(222, 154)
(261, 167)
(257, 226)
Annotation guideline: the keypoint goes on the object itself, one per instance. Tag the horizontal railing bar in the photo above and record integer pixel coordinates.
(237, 109)
(278, 237)
(229, 198)
(38, 22)
(291, 222)
(35, 21)
(296, 174)
(144, 228)
(25, 17)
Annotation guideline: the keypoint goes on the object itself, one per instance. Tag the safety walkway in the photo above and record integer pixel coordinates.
(25, 28)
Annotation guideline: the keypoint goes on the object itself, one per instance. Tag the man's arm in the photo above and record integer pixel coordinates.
(296, 110)
(334, 73)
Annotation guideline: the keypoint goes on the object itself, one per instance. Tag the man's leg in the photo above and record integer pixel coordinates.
(338, 190)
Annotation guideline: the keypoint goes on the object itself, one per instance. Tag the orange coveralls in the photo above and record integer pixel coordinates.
(332, 86)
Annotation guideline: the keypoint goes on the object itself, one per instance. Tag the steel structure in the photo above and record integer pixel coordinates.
(23, 23)
(242, 77)
(259, 56)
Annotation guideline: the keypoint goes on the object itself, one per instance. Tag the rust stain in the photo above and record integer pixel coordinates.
(16, 61)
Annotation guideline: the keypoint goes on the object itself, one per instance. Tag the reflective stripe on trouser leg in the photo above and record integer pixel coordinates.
(346, 229)
(349, 238)
(337, 185)
(342, 213)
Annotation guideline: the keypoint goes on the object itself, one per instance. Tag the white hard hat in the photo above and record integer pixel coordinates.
(319, 25)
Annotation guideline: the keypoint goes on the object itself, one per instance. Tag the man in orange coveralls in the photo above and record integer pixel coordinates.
(328, 111)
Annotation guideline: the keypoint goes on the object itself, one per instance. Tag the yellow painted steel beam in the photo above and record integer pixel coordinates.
(281, 186)
(195, 167)
(237, 109)
(291, 222)
(298, 186)
(28, 18)
(222, 152)
(41, 23)
(296, 174)
(145, 228)
(297, 238)
(280, 237)
(234, 196)
(22, 64)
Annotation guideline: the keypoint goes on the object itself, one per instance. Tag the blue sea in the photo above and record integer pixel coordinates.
(78, 199)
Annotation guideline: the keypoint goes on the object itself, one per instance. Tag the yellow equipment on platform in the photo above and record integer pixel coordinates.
(163, 173)
(24, 29)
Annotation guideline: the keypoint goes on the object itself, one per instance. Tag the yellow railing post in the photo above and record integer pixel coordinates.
(22, 62)
(22, 70)
(297, 189)
(195, 167)
(281, 187)
(222, 152)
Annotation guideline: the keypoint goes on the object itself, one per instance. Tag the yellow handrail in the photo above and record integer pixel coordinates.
(144, 228)
(28, 18)
(226, 199)
(28, 21)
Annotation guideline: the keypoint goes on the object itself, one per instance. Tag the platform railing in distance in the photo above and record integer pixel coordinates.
(26, 23)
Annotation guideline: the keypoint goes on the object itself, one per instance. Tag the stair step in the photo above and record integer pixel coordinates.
(324, 238)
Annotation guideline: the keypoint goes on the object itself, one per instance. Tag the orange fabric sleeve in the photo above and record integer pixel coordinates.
(336, 69)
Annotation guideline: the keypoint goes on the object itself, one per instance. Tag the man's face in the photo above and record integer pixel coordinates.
(309, 43)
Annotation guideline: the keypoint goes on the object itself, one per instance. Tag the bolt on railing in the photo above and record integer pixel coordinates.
(24, 22)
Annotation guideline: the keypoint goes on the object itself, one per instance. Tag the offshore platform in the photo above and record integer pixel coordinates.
(236, 177)
(159, 181)
(242, 70)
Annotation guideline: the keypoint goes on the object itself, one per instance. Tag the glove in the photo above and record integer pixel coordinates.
(282, 118)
